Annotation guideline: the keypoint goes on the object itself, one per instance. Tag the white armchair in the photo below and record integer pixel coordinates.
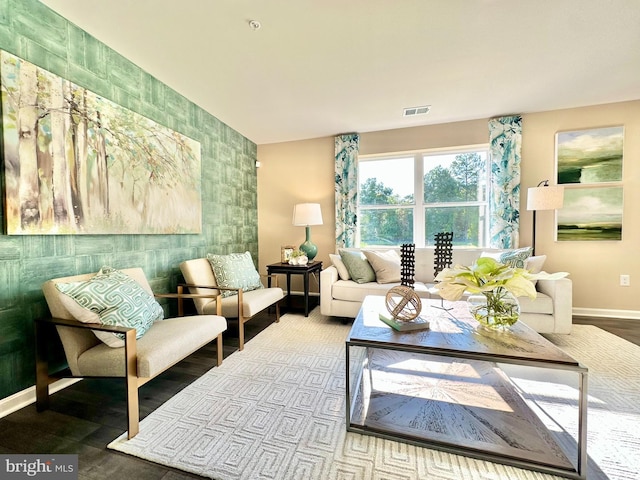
(200, 280)
(139, 360)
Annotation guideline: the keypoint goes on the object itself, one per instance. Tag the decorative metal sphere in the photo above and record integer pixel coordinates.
(403, 303)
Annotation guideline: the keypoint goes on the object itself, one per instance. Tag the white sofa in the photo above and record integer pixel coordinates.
(549, 312)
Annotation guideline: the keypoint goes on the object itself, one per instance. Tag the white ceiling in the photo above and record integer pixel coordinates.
(322, 67)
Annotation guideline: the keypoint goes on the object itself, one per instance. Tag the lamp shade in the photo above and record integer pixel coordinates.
(305, 214)
(545, 197)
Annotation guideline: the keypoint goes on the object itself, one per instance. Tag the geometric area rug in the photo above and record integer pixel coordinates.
(276, 410)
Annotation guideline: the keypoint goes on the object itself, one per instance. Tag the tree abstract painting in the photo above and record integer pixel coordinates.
(591, 213)
(76, 163)
(590, 156)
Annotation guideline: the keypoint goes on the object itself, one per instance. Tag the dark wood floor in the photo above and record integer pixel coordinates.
(624, 328)
(85, 417)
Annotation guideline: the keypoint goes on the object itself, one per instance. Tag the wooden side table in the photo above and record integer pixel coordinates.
(289, 270)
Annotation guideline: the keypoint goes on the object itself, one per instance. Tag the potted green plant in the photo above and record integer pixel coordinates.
(298, 257)
(493, 288)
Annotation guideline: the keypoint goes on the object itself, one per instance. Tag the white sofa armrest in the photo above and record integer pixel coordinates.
(561, 293)
(328, 277)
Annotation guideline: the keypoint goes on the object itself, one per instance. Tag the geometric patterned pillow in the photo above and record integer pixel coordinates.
(117, 299)
(235, 270)
(516, 258)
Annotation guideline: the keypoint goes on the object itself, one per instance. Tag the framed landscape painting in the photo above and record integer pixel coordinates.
(77, 163)
(590, 156)
(591, 213)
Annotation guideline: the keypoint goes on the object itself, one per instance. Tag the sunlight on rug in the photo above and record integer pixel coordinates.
(276, 410)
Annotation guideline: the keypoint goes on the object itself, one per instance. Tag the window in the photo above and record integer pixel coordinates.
(410, 198)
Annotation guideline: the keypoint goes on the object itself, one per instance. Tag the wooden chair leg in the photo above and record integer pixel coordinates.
(180, 302)
(241, 333)
(133, 407)
(42, 369)
(219, 341)
(241, 320)
(219, 349)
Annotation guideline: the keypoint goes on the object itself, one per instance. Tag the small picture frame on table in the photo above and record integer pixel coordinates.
(285, 253)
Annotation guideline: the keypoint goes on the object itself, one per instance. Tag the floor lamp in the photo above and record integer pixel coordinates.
(543, 197)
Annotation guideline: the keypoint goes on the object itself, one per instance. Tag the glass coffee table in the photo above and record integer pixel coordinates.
(466, 390)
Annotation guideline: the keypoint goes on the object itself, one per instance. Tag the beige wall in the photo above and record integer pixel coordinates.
(302, 171)
(595, 267)
(418, 138)
(290, 173)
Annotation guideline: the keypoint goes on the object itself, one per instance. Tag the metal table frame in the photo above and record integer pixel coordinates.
(383, 342)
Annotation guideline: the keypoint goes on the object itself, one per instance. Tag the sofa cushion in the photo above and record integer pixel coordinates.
(253, 302)
(386, 265)
(337, 262)
(166, 343)
(235, 270)
(358, 266)
(541, 304)
(111, 297)
(535, 264)
(350, 291)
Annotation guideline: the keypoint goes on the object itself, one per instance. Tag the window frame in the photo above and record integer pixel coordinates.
(419, 205)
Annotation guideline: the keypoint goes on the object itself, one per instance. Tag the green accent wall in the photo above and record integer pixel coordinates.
(35, 33)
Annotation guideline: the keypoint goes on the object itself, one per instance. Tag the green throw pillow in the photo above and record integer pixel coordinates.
(358, 266)
(235, 270)
(118, 300)
(516, 258)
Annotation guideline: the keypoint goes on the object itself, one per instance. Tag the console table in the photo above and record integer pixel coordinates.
(304, 270)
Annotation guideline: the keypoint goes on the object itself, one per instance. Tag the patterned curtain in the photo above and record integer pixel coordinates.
(505, 138)
(346, 189)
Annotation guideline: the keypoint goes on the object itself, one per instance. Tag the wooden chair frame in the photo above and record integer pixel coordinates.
(132, 381)
(239, 292)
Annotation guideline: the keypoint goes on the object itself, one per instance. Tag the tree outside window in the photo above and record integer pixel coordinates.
(452, 197)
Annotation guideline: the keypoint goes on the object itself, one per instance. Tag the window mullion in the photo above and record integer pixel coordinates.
(418, 212)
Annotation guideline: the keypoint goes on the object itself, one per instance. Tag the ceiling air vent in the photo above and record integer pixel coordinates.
(411, 111)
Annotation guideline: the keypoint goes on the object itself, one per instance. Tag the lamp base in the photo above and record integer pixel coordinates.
(309, 249)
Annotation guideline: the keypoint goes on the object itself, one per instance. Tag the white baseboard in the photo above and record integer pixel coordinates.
(607, 313)
(28, 396)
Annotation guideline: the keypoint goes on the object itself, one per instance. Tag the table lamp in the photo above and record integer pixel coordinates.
(543, 197)
(305, 215)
